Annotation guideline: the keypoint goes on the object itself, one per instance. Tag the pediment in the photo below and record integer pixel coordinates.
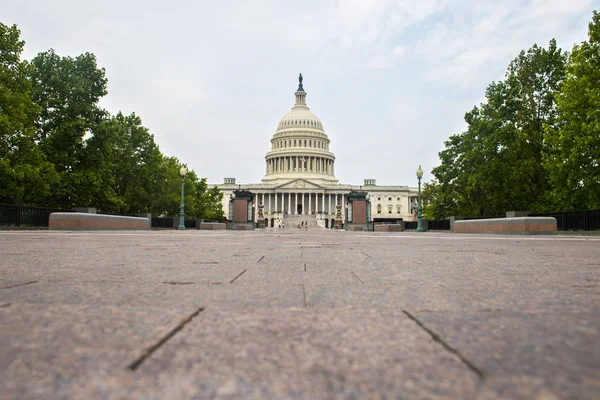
(299, 184)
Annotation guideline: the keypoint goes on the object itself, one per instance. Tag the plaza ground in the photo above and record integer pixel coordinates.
(298, 314)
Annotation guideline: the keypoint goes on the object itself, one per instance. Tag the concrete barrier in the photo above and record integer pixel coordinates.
(210, 226)
(517, 225)
(356, 227)
(84, 221)
(390, 228)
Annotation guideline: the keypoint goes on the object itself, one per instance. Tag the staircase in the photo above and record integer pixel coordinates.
(293, 220)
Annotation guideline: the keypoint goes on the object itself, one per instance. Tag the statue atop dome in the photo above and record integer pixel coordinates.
(300, 79)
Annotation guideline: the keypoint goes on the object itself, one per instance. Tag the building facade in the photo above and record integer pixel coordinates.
(300, 183)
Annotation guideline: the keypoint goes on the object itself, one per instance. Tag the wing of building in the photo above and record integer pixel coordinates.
(300, 183)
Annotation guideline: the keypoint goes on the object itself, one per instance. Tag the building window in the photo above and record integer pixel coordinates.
(379, 199)
(389, 209)
(304, 142)
(389, 199)
(378, 208)
(398, 208)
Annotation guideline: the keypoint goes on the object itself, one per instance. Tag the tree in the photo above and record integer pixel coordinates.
(495, 165)
(124, 163)
(25, 175)
(67, 90)
(573, 156)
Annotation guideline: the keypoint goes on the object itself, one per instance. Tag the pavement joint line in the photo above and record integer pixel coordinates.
(240, 274)
(179, 283)
(19, 284)
(437, 338)
(5, 305)
(356, 276)
(366, 254)
(150, 350)
(304, 267)
(260, 259)
(304, 295)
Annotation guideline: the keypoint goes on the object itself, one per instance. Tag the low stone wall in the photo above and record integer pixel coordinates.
(356, 227)
(84, 221)
(517, 225)
(210, 226)
(243, 227)
(389, 228)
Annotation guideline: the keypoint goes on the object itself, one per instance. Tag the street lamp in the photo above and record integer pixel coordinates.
(419, 208)
(182, 172)
(368, 199)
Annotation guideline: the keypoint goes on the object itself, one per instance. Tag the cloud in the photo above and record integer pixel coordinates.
(390, 79)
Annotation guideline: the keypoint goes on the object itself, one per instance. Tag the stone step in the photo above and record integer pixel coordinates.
(293, 220)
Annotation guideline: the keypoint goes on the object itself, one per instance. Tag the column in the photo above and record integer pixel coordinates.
(289, 203)
(270, 204)
(296, 204)
(329, 206)
(275, 202)
(310, 203)
(303, 208)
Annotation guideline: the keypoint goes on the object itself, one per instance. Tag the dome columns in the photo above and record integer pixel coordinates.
(294, 163)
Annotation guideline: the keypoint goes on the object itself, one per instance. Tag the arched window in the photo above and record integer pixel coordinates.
(378, 208)
(390, 209)
(398, 208)
(304, 142)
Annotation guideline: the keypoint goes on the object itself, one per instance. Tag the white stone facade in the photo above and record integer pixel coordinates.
(300, 177)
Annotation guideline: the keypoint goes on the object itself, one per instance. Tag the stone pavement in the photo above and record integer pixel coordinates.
(298, 315)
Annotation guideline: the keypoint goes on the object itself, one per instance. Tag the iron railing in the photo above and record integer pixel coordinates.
(162, 222)
(438, 225)
(588, 220)
(410, 225)
(11, 215)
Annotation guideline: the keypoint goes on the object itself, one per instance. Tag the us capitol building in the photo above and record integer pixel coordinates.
(300, 183)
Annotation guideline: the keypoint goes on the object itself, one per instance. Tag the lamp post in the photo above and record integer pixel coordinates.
(419, 208)
(182, 172)
(368, 199)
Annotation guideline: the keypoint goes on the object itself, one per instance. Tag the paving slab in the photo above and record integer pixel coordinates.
(298, 314)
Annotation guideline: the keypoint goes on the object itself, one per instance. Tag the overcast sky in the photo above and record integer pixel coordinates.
(390, 80)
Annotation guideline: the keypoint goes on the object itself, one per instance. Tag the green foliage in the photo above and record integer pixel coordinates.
(58, 148)
(25, 175)
(496, 164)
(573, 157)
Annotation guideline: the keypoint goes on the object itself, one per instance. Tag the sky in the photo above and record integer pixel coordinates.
(390, 80)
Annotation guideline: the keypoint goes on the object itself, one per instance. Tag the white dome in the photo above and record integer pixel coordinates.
(300, 147)
(300, 117)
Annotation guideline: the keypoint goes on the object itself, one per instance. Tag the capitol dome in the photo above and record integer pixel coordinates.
(300, 147)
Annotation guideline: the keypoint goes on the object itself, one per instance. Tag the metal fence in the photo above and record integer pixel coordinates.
(588, 220)
(438, 225)
(162, 222)
(11, 215)
(410, 225)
